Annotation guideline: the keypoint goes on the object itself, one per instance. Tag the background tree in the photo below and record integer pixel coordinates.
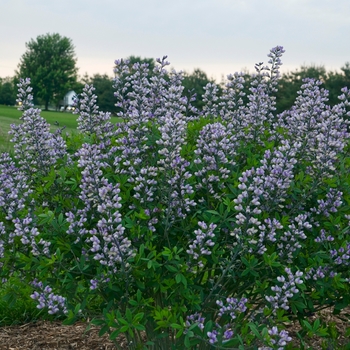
(104, 91)
(195, 83)
(290, 83)
(138, 59)
(336, 81)
(8, 91)
(192, 82)
(50, 63)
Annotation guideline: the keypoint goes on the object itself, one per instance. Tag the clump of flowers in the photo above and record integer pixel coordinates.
(278, 339)
(200, 230)
(215, 155)
(203, 242)
(36, 148)
(91, 120)
(47, 299)
(285, 291)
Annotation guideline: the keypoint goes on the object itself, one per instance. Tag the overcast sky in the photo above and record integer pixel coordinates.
(217, 36)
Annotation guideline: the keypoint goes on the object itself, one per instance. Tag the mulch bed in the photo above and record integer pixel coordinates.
(45, 335)
(54, 336)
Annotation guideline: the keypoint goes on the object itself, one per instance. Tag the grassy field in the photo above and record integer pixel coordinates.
(10, 115)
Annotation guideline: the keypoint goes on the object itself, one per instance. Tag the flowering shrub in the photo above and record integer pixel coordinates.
(179, 228)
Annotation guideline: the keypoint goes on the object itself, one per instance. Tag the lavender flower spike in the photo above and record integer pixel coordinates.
(24, 96)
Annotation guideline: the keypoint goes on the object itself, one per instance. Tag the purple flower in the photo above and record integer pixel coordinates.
(248, 122)
(232, 307)
(212, 337)
(321, 131)
(203, 243)
(14, 189)
(91, 120)
(45, 298)
(215, 152)
(35, 148)
(279, 339)
(24, 96)
(195, 318)
(284, 291)
(228, 334)
(264, 189)
(108, 243)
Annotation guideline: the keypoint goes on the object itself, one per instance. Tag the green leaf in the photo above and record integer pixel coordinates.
(179, 333)
(69, 321)
(300, 305)
(187, 341)
(176, 326)
(142, 250)
(212, 212)
(124, 328)
(245, 261)
(307, 325)
(103, 330)
(77, 308)
(138, 295)
(183, 280)
(98, 322)
(122, 321)
(245, 272)
(138, 317)
(140, 327)
(114, 334)
(171, 268)
(254, 329)
(128, 315)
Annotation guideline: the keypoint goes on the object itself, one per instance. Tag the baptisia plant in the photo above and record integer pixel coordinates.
(180, 228)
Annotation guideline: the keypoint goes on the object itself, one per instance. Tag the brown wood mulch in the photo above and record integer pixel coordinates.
(54, 336)
(340, 323)
(45, 335)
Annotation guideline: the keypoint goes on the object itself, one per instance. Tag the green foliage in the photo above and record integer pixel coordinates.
(157, 230)
(291, 82)
(160, 290)
(194, 83)
(16, 306)
(50, 63)
(7, 91)
(104, 91)
(138, 59)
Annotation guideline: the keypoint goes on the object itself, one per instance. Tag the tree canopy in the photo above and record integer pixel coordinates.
(195, 83)
(50, 63)
(138, 59)
(104, 91)
(291, 82)
(7, 91)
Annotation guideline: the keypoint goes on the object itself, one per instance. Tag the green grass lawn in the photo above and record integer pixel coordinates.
(10, 115)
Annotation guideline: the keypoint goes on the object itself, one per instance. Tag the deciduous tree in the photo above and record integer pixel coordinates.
(50, 63)
(195, 83)
(7, 91)
(103, 85)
